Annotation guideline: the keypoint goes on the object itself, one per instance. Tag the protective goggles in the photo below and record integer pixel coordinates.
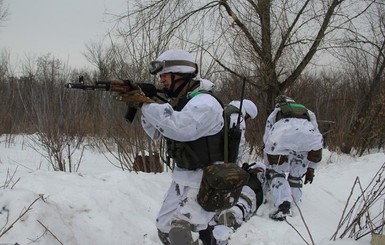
(156, 66)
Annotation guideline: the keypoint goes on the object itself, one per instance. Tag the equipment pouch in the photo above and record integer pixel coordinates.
(234, 139)
(315, 156)
(221, 186)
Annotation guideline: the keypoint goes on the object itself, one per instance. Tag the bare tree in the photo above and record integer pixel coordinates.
(123, 62)
(364, 59)
(4, 13)
(5, 77)
(7, 96)
(53, 114)
(268, 42)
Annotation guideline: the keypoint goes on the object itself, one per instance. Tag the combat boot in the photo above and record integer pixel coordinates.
(283, 211)
(180, 233)
(227, 218)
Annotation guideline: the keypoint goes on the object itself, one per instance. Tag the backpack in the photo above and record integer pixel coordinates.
(231, 133)
(222, 184)
(292, 110)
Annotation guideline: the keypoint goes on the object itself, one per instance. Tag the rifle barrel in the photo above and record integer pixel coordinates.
(101, 86)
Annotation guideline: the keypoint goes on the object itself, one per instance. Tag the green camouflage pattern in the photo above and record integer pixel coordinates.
(221, 186)
(293, 110)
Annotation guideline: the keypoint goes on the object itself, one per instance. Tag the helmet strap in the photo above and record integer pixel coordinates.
(185, 78)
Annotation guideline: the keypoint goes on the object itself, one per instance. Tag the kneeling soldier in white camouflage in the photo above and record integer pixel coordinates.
(251, 196)
(191, 123)
(226, 222)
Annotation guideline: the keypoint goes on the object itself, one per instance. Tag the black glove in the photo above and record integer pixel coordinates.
(254, 182)
(309, 175)
(245, 166)
(148, 89)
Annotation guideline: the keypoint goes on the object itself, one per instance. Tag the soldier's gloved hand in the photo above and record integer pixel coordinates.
(129, 92)
(134, 98)
(309, 176)
(245, 166)
(148, 89)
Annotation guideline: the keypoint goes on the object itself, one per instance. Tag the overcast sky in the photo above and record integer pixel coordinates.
(59, 27)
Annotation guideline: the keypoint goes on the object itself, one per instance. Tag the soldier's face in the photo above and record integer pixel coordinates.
(166, 80)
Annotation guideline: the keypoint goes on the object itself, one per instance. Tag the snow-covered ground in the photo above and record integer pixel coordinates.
(101, 204)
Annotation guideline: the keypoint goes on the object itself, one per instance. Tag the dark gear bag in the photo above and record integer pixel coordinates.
(221, 186)
(234, 138)
(315, 155)
(232, 135)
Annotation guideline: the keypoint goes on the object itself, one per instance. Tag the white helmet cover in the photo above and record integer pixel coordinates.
(177, 55)
(248, 107)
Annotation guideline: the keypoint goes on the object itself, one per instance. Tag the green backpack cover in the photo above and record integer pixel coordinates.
(292, 110)
(221, 186)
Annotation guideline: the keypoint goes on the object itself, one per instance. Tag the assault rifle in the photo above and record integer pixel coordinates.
(120, 87)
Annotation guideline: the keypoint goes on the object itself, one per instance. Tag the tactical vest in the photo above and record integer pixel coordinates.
(198, 153)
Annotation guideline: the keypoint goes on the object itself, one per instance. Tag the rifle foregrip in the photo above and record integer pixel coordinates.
(130, 114)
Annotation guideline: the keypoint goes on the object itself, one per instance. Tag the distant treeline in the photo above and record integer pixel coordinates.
(351, 114)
